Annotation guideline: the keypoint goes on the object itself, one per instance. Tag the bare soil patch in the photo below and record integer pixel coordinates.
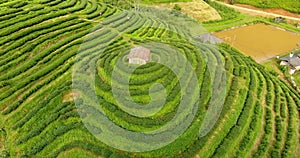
(271, 10)
(196, 9)
(70, 96)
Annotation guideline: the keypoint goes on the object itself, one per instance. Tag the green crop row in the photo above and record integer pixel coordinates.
(289, 145)
(31, 22)
(68, 5)
(26, 16)
(21, 12)
(43, 54)
(93, 8)
(41, 105)
(246, 143)
(96, 13)
(263, 146)
(54, 3)
(97, 150)
(41, 73)
(275, 152)
(132, 22)
(34, 89)
(29, 47)
(43, 123)
(38, 54)
(33, 34)
(18, 4)
(49, 137)
(82, 6)
(45, 1)
(110, 12)
(242, 120)
(10, 12)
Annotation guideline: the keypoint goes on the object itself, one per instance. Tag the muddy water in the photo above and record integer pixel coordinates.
(261, 41)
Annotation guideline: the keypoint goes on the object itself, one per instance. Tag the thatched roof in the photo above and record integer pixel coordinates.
(140, 53)
(209, 38)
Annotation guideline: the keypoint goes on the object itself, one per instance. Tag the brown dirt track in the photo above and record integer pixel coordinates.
(271, 10)
(264, 12)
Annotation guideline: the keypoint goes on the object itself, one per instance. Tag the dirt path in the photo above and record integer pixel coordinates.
(271, 10)
(256, 11)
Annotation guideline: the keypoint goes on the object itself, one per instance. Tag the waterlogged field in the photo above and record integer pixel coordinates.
(261, 41)
(60, 63)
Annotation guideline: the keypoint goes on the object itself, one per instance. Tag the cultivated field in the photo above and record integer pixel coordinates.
(261, 41)
(162, 1)
(196, 9)
(45, 44)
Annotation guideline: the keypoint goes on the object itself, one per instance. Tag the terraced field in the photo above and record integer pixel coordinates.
(62, 64)
(196, 9)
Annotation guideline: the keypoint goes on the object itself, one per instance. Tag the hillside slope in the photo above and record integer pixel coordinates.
(58, 60)
(196, 9)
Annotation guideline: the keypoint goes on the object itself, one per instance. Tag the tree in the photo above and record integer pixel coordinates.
(177, 7)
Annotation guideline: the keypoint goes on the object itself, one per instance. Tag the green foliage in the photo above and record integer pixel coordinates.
(4, 154)
(225, 12)
(177, 7)
(38, 44)
(290, 5)
(162, 1)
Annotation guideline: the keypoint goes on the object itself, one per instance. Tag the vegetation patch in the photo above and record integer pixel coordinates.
(289, 5)
(196, 9)
(42, 42)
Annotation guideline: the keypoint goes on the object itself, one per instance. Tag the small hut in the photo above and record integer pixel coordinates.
(279, 19)
(293, 61)
(139, 55)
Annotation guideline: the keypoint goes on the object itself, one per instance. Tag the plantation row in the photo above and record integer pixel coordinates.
(35, 36)
(65, 48)
(58, 32)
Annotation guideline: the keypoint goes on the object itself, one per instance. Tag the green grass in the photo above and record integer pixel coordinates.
(46, 40)
(163, 1)
(232, 18)
(297, 78)
(290, 5)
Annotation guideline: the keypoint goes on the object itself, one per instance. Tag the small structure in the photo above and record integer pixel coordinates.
(209, 38)
(293, 61)
(279, 19)
(139, 55)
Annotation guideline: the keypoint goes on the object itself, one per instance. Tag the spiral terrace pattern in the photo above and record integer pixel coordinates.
(43, 42)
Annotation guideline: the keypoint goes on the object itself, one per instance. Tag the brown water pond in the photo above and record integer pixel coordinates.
(261, 41)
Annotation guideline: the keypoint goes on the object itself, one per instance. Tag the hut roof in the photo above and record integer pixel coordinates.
(293, 60)
(140, 52)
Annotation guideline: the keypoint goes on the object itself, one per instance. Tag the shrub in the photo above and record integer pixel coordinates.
(177, 7)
